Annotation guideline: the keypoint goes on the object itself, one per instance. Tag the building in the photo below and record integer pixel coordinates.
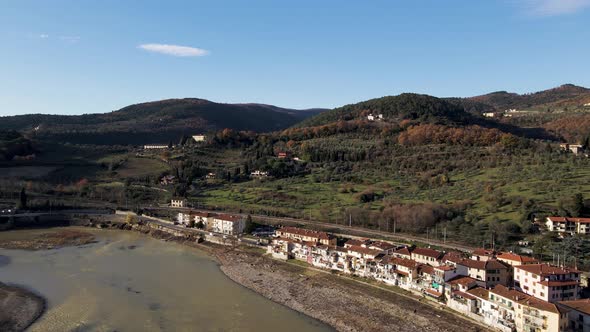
(566, 225)
(426, 256)
(227, 224)
(482, 254)
(489, 273)
(489, 114)
(375, 117)
(536, 315)
(515, 260)
(168, 179)
(578, 314)
(259, 174)
(178, 202)
(546, 282)
(306, 235)
(199, 138)
(573, 148)
(155, 146)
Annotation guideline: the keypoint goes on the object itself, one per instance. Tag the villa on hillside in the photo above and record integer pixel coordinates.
(155, 146)
(567, 225)
(199, 138)
(178, 202)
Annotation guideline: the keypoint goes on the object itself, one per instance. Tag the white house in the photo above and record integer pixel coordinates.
(199, 138)
(568, 225)
(228, 224)
(546, 282)
(178, 202)
(375, 117)
(155, 146)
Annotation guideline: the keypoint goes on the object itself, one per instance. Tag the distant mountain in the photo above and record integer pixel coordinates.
(562, 96)
(156, 122)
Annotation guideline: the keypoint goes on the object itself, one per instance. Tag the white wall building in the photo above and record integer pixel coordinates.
(546, 282)
(177, 202)
(228, 224)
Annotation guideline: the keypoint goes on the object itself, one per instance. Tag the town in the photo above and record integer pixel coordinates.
(503, 290)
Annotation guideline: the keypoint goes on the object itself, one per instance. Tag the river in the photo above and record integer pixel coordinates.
(130, 282)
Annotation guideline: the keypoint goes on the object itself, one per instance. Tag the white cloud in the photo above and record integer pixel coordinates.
(175, 50)
(43, 36)
(555, 7)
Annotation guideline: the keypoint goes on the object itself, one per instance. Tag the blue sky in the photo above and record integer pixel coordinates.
(74, 57)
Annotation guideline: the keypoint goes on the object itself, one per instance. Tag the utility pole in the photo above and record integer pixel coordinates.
(445, 235)
(349, 220)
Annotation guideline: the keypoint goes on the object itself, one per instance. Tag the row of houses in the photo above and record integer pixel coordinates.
(568, 226)
(506, 291)
(214, 222)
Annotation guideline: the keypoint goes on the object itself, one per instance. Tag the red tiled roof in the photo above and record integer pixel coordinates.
(516, 258)
(480, 292)
(403, 262)
(508, 293)
(464, 295)
(364, 251)
(423, 268)
(481, 265)
(305, 232)
(452, 256)
(229, 217)
(432, 292)
(403, 251)
(578, 305)
(462, 280)
(568, 219)
(355, 242)
(382, 245)
(545, 269)
(427, 252)
(445, 268)
(540, 304)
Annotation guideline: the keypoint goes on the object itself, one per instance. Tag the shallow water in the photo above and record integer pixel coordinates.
(130, 282)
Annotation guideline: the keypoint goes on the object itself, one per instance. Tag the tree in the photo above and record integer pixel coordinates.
(249, 227)
(130, 219)
(200, 225)
(22, 202)
(577, 205)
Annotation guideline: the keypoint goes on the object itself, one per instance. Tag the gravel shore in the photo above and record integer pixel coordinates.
(346, 305)
(19, 308)
(49, 240)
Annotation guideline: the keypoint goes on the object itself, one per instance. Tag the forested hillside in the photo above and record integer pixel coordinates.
(156, 122)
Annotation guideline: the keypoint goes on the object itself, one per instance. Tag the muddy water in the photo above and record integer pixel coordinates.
(129, 282)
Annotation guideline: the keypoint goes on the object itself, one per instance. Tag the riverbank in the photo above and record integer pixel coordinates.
(49, 240)
(345, 304)
(19, 308)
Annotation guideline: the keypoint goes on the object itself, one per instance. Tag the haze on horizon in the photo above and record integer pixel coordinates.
(65, 57)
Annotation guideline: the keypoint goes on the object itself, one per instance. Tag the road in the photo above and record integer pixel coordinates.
(345, 231)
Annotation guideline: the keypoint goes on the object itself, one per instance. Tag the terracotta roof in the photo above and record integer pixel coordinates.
(365, 251)
(568, 219)
(452, 256)
(229, 217)
(464, 295)
(403, 262)
(509, 293)
(579, 305)
(433, 292)
(305, 232)
(423, 268)
(545, 269)
(445, 267)
(403, 251)
(462, 280)
(480, 292)
(481, 265)
(427, 252)
(516, 258)
(531, 301)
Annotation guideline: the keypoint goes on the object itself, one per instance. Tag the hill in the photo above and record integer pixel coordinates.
(407, 106)
(562, 96)
(156, 122)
